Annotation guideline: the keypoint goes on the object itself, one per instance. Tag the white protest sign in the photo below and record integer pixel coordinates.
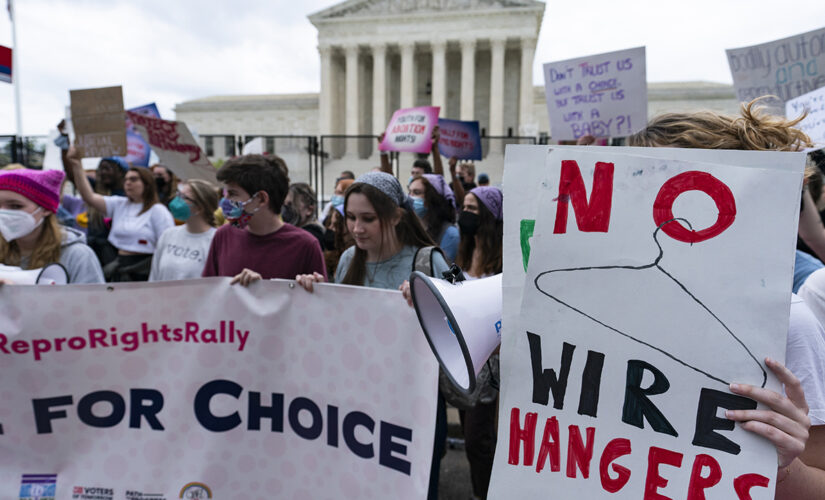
(609, 301)
(784, 68)
(410, 130)
(812, 103)
(153, 390)
(604, 95)
(175, 146)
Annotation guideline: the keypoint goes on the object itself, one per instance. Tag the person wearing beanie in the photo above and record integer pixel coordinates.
(30, 236)
(434, 202)
(388, 236)
(138, 220)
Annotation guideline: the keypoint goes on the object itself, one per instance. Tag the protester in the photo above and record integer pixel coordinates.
(182, 250)
(483, 180)
(467, 174)
(434, 203)
(337, 200)
(299, 210)
(388, 236)
(165, 182)
(257, 244)
(336, 240)
(138, 220)
(795, 423)
(30, 236)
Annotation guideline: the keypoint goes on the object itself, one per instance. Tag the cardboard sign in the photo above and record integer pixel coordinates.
(139, 150)
(784, 68)
(160, 388)
(603, 95)
(410, 130)
(98, 121)
(618, 292)
(459, 139)
(175, 146)
(814, 104)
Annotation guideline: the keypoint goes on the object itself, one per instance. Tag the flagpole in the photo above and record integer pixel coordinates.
(16, 75)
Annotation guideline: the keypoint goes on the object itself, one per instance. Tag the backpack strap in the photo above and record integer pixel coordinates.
(423, 260)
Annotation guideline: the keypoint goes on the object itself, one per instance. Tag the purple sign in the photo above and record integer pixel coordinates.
(138, 149)
(459, 139)
(410, 130)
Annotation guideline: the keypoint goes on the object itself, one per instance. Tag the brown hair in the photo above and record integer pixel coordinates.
(490, 235)
(409, 230)
(439, 210)
(171, 188)
(150, 193)
(754, 130)
(46, 250)
(205, 196)
(253, 173)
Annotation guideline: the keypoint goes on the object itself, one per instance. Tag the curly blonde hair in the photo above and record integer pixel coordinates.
(755, 130)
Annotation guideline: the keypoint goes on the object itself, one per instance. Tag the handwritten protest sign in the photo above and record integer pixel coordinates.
(410, 130)
(603, 95)
(460, 139)
(814, 104)
(160, 387)
(664, 304)
(138, 149)
(784, 68)
(175, 146)
(98, 121)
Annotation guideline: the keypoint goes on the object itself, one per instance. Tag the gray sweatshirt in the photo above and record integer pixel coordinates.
(79, 260)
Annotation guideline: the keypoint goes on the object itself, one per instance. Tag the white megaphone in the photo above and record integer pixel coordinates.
(53, 274)
(462, 323)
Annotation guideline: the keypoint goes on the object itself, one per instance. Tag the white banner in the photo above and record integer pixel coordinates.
(178, 389)
(616, 358)
(812, 103)
(604, 95)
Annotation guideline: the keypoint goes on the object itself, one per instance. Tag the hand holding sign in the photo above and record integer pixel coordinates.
(410, 130)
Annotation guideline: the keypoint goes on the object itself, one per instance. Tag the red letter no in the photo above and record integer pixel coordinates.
(693, 181)
(592, 217)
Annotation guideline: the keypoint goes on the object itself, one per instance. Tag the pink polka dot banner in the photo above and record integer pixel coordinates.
(200, 389)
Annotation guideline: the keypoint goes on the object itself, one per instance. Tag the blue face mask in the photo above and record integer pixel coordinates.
(179, 208)
(419, 207)
(337, 200)
(234, 211)
(409, 181)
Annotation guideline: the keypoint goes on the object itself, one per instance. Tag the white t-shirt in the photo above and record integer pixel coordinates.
(805, 357)
(133, 231)
(180, 254)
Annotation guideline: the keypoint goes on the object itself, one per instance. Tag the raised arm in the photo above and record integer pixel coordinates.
(438, 166)
(73, 164)
(385, 157)
(455, 183)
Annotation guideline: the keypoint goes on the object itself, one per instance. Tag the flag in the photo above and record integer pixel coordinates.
(5, 64)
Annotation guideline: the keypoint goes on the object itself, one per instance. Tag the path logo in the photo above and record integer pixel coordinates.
(38, 486)
(195, 491)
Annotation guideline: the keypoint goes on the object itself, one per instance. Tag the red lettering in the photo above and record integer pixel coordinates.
(578, 453)
(3, 340)
(698, 482)
(654, 481)
(590, 217)
(40, 346)
(550, 446)
(615, 448)
(191, 331)
(517, 435)
(693, 181)
(96, 336)
(743, 484)
(19, 346)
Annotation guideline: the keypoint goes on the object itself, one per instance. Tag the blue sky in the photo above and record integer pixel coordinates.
(169, 51)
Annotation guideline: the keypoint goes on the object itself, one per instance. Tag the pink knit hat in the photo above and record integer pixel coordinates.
(40, 186)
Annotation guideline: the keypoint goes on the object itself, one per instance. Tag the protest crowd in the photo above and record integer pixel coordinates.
(124, 223)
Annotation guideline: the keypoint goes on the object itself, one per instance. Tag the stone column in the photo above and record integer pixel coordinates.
(439, 83)
(497, 92)
(528, 51)
(325, 98)
(379, 88)
(468, 79)
(407, 74)
(352, 90)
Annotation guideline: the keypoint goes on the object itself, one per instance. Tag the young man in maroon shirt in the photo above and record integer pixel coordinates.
(257, 244)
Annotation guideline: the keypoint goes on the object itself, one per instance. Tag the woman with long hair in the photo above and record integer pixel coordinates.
(182, 250)
(795, 421)
(434, 203)
(30, 236)
(138, 220)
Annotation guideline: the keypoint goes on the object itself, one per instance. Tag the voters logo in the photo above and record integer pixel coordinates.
(38, 486)
(92, 493)
(195, 491)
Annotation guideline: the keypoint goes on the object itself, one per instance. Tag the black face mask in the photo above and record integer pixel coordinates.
(468, 223)
(160, 183)
(329, 239)
(288, 214)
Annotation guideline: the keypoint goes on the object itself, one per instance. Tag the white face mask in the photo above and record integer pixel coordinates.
(17, 223)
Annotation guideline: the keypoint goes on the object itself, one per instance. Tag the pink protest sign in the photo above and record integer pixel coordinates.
(410, 130)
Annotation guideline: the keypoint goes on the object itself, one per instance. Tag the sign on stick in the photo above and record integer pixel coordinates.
(98, 121)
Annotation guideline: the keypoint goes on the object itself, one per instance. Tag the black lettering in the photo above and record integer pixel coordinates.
(204, 396)
(388, 446)
(84, 409)
(43, 415)
(545, 381)
(274, 413)
(707, 422)
(149, 412)
(591, 384)
(351, 421)
(314, 430)
(637, 405)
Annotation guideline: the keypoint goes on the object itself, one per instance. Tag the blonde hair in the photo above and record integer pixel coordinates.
(46, 251)
(205, 196)
(755, 130)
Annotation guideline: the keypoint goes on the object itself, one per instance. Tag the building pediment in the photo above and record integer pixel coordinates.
(388, 8)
